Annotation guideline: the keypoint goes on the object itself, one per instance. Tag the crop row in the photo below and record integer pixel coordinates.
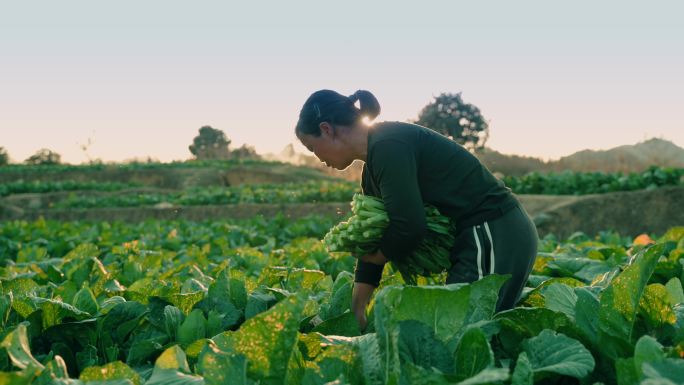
(566, 183)
(21, 187)
(132, 166)
(580, 183)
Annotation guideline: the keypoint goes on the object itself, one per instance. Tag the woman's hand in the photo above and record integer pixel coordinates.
(361, 295)
(377, 258)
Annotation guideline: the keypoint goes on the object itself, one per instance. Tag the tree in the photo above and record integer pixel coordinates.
(455, 119)
(211, 143)
(4, 157)
(44, 157)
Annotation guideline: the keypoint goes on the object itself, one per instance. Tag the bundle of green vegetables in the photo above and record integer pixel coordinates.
(361, 235)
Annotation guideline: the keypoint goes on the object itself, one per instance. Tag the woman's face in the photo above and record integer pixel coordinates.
(328, 147)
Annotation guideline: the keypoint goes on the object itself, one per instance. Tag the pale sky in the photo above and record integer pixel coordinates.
(140, 77)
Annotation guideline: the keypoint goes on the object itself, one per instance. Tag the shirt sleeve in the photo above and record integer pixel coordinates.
(395, 171)
(369, 273)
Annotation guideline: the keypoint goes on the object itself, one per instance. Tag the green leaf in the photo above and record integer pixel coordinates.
(173, 377)
(17, 345)
(418, 345)
(111, 302)
(521, 323)
(5, 308)
(620, 302)
(674, 287)
(586, 308)
(214, 323)
(86, 357)
(338, 361)
(111, 371)
(467, 304)
(369, 355)
(656, 306)
(257, 303)
(647, 350)
(523, 373)
(25, 377)
(173, 319)
(560, 297)
(121, 320)
(267, 340)
(669, 369)
(418, 375)
(626, 372)
(229, 288)
(535, 297)
(173, 358)
(473, 354)
(550, 352)
(193, 350)
(83, 251)
(186, 301)
(54, 310)
(55, 370)
(193, 328)
(219, 368)
(339, 303)
(487, 376)
(21, 289)
(84, 300)
(341, 325)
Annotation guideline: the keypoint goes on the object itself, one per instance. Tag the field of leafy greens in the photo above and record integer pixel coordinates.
(92, 194)
(580, 183)
(262, 302)
(308, 192)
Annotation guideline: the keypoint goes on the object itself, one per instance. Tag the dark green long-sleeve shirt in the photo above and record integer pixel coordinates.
(409, 165)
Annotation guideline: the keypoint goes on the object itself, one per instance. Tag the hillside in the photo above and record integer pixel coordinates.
(627, 158)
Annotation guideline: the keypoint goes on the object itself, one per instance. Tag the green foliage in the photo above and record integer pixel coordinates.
(44, 157)
(4, 157)
(580, 183)
(229, 302)
(449, 115)
(307, 192)
(210, 143)
(21, 187)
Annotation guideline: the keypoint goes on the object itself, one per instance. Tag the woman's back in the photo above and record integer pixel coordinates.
(449, 177)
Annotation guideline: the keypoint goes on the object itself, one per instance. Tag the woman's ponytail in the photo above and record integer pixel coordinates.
(369, 105)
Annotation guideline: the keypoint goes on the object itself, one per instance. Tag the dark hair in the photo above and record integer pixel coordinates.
(334, 108)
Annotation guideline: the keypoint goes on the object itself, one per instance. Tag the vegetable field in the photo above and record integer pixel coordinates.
(262, 302)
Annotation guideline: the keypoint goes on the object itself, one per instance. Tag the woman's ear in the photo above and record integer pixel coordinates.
(327, 129)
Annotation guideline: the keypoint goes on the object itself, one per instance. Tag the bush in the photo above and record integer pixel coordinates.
(44, 157)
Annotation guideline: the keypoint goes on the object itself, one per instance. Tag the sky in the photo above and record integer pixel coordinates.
(132, 79)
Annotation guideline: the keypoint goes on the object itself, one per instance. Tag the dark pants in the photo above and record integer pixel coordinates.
(505, 245)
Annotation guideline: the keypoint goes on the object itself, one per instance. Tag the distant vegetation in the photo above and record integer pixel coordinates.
(449, 115)
(581, 183)
(44, 157)
(212, 144)
(308, 192)
(4, 157)
(20, 187)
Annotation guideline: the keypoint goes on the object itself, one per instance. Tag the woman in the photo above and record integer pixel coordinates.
(408, 165)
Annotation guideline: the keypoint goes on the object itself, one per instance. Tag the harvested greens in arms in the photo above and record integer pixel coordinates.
(361, 234)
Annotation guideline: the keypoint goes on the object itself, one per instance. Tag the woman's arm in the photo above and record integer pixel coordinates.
(362, 292)
(361, 295)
